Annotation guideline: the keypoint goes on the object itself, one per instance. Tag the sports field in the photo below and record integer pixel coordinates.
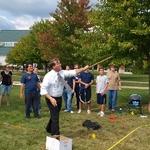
(18, 133)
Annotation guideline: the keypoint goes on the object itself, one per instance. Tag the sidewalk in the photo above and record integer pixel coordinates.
(16, 83)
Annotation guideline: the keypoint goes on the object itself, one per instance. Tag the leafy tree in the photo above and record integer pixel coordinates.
(46, 40)
(70, 22)
(37, 47)
(61, 37)
(125, 25)
(24, 51)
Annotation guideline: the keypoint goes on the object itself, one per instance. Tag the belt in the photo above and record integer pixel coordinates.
(56, 96)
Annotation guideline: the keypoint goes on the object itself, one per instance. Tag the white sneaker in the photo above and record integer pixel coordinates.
(65, 110)
(88, 111)
(113, 110)
(102, 114)
(79, 111)
(71, 112)
(99, 113)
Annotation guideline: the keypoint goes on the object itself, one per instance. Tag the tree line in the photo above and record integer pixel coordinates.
(81, 33)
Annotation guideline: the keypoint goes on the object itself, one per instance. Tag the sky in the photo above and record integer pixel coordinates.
(21, 14)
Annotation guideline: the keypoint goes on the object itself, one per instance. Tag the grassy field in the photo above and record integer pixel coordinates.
(134, 77)
(17, 133)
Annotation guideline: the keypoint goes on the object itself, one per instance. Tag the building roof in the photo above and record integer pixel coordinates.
(12, 35)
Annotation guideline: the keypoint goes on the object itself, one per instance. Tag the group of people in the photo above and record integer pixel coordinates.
(61, 84)
(81, 88)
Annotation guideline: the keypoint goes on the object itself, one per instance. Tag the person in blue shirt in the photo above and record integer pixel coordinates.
(86, 80)
(29, 88)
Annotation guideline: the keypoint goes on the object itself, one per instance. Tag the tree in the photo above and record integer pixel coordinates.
(24, 51)
(62, 37)
(125, 25)
(37, 47)
(46, 40)
(70, 22)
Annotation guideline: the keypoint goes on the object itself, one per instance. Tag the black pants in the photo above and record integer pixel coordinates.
(32, 100)
(77, 96)
(53, 124)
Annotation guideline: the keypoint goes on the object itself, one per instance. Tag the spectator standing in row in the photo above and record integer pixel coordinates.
(68, 94)
(29, 86)
(101, 89)
(86, 80)
(113, 87)
(36, 71)
(77, 87)
(6, 85)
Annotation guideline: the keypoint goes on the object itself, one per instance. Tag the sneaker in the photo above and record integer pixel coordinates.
(102, 114)
(113, 110)
(99, 113)
(79, 111)
(71, 112)
(88, 111)
(65, 110)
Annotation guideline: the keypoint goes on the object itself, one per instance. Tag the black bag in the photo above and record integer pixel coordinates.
(91, 125)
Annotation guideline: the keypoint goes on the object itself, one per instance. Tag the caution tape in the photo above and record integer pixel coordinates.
(127, 136)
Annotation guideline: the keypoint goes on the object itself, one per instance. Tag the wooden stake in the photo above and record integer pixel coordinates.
(100, 61)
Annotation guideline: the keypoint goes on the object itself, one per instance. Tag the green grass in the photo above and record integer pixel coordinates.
(134, 84)
(17, 133)
(134, 77)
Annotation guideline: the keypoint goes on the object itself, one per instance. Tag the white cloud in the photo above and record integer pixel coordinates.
(25, 22)
(18, 14)
(28, 7)
(5, 23)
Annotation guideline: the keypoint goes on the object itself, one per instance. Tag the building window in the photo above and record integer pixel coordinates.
(9, 44)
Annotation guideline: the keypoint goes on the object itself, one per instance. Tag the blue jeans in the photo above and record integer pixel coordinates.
(5, 89)
(67, 96)
(112, 99)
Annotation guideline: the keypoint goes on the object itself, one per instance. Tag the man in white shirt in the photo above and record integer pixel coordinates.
(52, 88)
(101, 89)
